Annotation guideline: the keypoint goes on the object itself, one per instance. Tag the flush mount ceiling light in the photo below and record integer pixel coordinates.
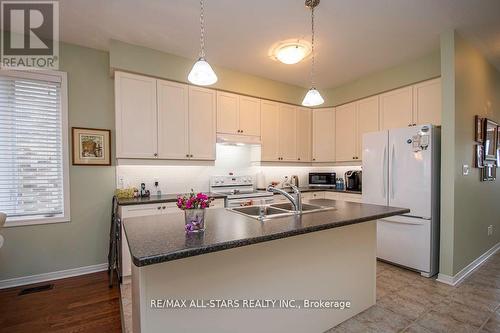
(313, 97)
(202, 73)
(291, 51)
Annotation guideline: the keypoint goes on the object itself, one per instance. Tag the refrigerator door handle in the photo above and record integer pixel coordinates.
(393, 167)
(384, 173)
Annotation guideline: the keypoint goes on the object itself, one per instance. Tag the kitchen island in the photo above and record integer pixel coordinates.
(327, 255)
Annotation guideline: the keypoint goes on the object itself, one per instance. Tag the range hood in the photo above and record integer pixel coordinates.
(234, 139)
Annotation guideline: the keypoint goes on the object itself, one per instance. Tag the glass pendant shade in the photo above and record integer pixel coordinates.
(291, 54)
(202, 73)
(313, 98)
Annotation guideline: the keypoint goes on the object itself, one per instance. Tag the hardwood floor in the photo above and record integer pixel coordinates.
(77, 304)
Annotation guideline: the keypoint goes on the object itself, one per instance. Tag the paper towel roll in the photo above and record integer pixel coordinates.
(261, 180)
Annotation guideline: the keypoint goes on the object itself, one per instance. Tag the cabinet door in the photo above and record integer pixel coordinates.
(249, 116)
(368, 120)
(269, 131)
(304, 135)
(427, 102)
(135, 107)
(227, 113)
(173, 123)
(345, 132)
(396, 108)
(201, 123)
(287, 133)
(323, 135)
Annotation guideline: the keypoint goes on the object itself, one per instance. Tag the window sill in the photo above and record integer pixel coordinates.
(35, 221)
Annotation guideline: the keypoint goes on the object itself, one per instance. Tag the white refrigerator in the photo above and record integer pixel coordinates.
(401, 168)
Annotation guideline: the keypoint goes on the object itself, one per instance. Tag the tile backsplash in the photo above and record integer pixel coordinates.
(236, 159)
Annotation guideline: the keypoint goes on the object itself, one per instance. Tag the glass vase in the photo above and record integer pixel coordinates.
(195, 220)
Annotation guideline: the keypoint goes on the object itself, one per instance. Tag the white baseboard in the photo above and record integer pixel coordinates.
(467, 270)
(24, 280)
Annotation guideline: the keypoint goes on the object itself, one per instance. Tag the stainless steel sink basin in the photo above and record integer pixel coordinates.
(267, 211)
(289, 206)
(276, 210)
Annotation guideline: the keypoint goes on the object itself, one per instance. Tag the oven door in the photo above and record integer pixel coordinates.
(233, 203)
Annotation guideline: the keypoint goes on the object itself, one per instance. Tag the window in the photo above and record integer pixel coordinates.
(34, 185)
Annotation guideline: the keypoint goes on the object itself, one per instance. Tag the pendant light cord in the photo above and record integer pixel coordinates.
(202, 30)
(312, 47)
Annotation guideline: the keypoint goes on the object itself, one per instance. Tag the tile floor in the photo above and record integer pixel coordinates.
(407, 302)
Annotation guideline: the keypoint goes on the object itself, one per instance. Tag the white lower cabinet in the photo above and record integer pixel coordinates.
(351, 197)
(148, 210)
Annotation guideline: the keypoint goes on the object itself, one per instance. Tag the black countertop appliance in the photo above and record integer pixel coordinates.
(353, 180)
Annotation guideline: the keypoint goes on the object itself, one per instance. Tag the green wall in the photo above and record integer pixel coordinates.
(146, 61)
(471, 87)
(83, 241)
(421, 69)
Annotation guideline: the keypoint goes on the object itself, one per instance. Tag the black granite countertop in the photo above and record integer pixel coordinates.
(159, 199)
(173, 197)
(320, 189)
(159, 238)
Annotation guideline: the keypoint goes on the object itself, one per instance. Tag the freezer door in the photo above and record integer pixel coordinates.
(375, 168)
(405, 241)
(410, 170)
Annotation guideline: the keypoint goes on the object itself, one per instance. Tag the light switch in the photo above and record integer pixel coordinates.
(465, 170)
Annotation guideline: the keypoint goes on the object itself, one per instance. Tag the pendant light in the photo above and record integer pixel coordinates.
(313, 97)
(202, 73)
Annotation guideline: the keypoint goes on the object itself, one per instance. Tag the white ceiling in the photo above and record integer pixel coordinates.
(354, 37)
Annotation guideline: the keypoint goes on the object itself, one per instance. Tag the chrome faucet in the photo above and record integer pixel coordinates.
(295, 199)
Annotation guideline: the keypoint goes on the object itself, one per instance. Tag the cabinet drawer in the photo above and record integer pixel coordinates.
(331, 195)
(349, 197)
(217, 203)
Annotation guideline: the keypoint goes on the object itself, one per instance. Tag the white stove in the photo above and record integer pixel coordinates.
(239, 191)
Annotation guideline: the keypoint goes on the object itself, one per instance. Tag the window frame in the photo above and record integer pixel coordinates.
(56, 76)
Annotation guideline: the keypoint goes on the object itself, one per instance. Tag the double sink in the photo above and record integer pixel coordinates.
(265, 212)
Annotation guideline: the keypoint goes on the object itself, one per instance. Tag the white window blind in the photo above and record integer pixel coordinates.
(31, 148)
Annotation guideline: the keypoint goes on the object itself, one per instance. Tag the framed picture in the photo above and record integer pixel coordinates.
(91, 146)
(490, 140)
(479, 156)
(489, 172)
(478, 129)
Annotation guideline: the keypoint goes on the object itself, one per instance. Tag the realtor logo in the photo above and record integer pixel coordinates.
(30, 35)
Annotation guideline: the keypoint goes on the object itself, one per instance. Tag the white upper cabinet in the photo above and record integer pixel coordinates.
(345, 132)
(304, 134)
(173, 120)
(227, 113)
(202, 115)
(269, 131)
(427, 102)
(135, 116)
(323, 135)
(163, 119)
(287, 133)
(396, 108)
(368, 120)
(249, 116)
(238, 114)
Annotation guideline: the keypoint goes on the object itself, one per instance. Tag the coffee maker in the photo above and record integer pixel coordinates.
(353, 180)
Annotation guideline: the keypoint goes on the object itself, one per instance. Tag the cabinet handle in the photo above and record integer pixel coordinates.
(314, 159)
(159, 208)
(191, 155)
(163, 207)
(187, 155)
(155, 154)
(414, 124)
(299, 158)
(241, 131)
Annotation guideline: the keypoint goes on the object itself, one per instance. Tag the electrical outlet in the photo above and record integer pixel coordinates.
(490, 230)
(465, 170)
